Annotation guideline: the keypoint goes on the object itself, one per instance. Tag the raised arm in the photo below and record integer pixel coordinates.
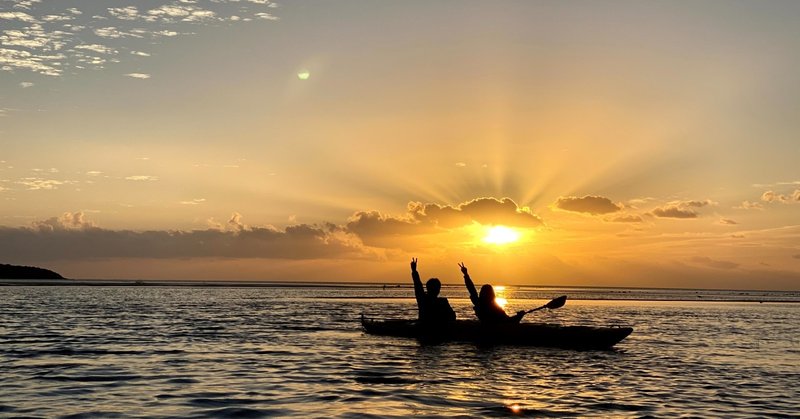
(419, 292)
(473, 293)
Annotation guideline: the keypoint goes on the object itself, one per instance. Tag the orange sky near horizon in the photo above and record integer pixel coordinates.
(626, 143)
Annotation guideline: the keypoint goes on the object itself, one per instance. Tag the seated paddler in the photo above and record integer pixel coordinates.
(485, 305)
(433, 310)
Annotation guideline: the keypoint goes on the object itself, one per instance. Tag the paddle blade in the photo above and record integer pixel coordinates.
(557, 302)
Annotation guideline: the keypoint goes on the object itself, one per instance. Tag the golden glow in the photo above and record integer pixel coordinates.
(303, 75)
(500, 295)
(501, 235)
(515, 408)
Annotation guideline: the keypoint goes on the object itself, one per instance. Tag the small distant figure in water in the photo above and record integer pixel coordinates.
(486, 308)
(433, 310)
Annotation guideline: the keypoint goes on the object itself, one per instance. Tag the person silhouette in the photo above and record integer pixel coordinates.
(433, 310)
(485, 305)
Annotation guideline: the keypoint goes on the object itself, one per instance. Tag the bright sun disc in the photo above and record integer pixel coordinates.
(501, 235)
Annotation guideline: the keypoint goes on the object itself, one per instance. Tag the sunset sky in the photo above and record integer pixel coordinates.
(625, 143)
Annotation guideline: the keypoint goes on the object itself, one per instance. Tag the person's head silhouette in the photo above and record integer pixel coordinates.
(487, 294)
(433, 286)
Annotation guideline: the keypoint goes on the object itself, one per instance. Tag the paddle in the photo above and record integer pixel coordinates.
(553, 304)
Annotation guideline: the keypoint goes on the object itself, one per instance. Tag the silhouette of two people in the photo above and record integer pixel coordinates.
(435, 311)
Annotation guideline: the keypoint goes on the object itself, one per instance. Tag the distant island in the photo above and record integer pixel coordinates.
(26, 272)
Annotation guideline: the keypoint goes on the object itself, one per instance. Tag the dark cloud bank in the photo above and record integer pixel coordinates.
(588, 204)
(71, 236)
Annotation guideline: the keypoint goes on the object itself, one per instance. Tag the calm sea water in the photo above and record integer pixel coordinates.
(298, 351)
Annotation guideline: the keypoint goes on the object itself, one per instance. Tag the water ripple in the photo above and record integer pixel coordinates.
(87, 352)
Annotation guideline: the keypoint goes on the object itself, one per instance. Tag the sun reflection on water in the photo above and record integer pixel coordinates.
(500, 295)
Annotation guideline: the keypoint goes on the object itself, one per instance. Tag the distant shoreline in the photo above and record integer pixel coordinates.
(29, 273)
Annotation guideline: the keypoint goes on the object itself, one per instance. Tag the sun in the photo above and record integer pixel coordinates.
(501, 235)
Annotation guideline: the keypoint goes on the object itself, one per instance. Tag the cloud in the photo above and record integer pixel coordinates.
(796, 195)
(196, 201)
(627, 218)
(235, 222)
(674, 212)
(681, 209)
(432, 218)
(770, 196)
(25, 84)
(588, 204)
(748, 205)
(486, 211)
(49, 39)
(717, 264)
(34, 183)
(138, 75)
(727, 221)
(693, 204)
(124, 13)
(142, 178)
(97, 48)
(72, 237)
(20, 16)
(797, 256)
(266, 16)
(67, 221)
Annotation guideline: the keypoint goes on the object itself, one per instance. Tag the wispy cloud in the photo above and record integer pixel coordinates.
(196, 201)
(35, 184)
(52, 40)
(138, 75)
(749, 205)
(142, 178)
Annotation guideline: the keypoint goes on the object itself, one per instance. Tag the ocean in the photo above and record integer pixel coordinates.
(196, 350)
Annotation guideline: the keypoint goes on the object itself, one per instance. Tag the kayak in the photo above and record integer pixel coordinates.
(522, 334)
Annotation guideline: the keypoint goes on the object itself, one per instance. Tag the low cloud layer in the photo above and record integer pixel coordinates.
(589, 204)
(72, 236)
